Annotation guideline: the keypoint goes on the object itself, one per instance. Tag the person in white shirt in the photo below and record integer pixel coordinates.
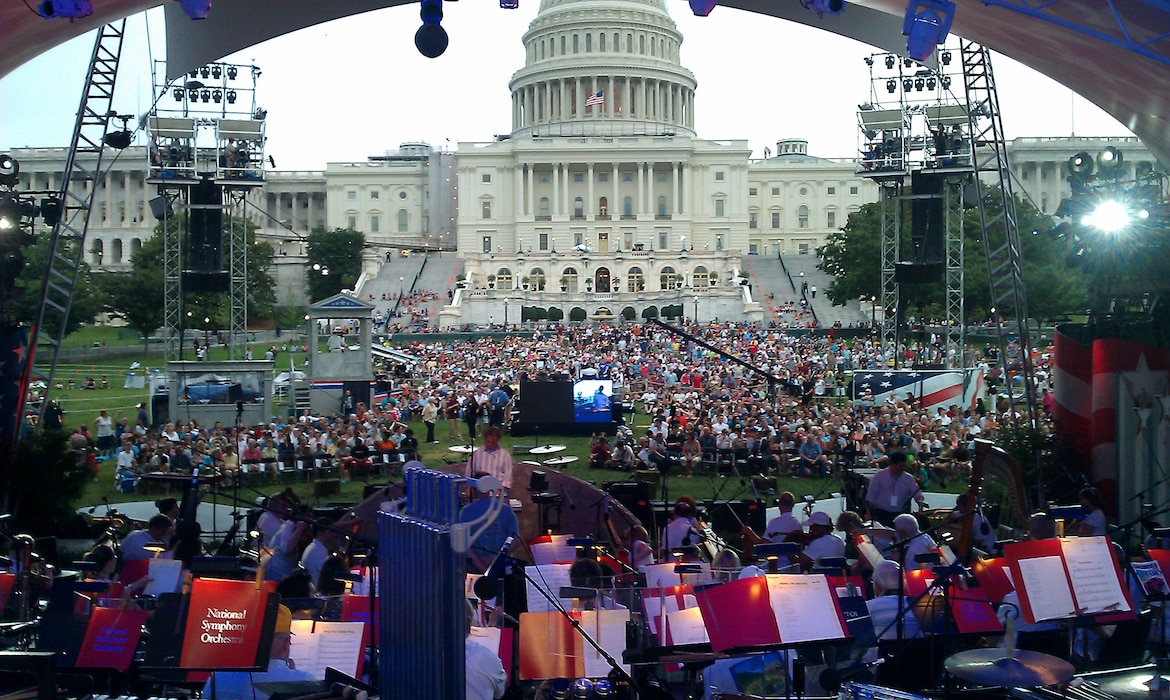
(159, 529)
(491, 458)
(906, 528)
(884, 608)
(486, 678)
(822, 544)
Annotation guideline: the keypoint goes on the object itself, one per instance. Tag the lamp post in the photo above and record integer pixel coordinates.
(872, 311)
(505, 314)
(401, 286)
(696, 316)
(206, 334)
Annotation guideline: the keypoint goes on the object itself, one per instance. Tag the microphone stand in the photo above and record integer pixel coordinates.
(902, 546)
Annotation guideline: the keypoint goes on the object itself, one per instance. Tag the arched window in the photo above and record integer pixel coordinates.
(802, 217)
(603, 207)
(98, 250)
(662, 205)
(536, 279)
(543, 208)
(116, 251)
(642, 44)
(135, 246)
(617, 45)
(629, 43)
(635, 282)
(504, 279)
(403, 220)
(699, 278)
(576, 44)
(628, 208)
(569, 279)
(653, 47)
(564, 42)
(669, 279)
(578, 208)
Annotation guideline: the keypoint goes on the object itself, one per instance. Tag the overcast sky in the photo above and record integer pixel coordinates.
(357, 86)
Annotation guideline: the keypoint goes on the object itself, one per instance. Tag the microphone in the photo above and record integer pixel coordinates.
(105, 499)
(831, 678)
(488, 586)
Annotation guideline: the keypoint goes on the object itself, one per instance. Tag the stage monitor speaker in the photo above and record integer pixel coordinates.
(918, 272)
(160, 409)
(160, 207)
(635, 496)
(203, 272)
(927, 229)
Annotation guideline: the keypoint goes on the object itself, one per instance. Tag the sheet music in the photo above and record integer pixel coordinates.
(553, 552)
(1045, 586)
(359, 587)
(686, 627)
(1095, 582)
(318, 645)
(164, 575)
(661, 575)
(608, 628)
(805, 607)
(653, 607)
(550, 578)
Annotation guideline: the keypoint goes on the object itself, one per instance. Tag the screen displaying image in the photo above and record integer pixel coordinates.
(593, 400)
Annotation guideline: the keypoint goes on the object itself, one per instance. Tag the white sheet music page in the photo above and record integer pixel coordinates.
(1048, 593)
(686, 627)
(1095, 582)
(806, 608)
(608, 628)
(551, 578)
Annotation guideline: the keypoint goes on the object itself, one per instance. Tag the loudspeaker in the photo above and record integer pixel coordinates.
(927, 233)
(723, 516)
(160, 409)
(635, 496)
(203, 272)
(918, 272)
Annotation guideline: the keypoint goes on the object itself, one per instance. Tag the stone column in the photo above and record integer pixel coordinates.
(641, 189)
(615, 207)
(518, 186)
(590, 206)
(556, 203)
(684, 175)
(531, 189)
(676, 200)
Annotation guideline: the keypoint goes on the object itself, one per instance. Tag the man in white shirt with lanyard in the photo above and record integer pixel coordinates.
(491, 458)
(890, 491)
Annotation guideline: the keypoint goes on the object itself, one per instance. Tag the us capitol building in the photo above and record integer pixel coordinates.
(601, 197)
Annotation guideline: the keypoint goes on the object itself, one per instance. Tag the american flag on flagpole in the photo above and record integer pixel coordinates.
(597, 99)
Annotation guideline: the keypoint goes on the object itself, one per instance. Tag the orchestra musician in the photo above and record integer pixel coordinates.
(822, 543)
(636, 546)
(241, 685)
(779, 528)
(683, 529)
(1093, 524)
(906, 528)
(891, 490)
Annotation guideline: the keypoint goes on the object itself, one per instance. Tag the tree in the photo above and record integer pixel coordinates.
(577, 314)
(339, 251)
(555, 313)
(41, 498)
(26, 296)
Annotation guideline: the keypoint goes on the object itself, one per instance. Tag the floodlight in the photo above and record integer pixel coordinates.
(217, 96)
(9, 170)
(907, 84)
(205, 95)
(216, 71)
(891, 85)
(926, 25)
(51, 209)
(869, 60)
(232, 72)
(919, 83)
(1110, 216)
(196, 9)
(1081, 165)
(179, 93)
(65, 9)
(119, 139)
(930, 83)
(231, 97)
(945, 81)
(1110, 161)
(205, 72)
(12, 210)
(890, 60)
(946, 58)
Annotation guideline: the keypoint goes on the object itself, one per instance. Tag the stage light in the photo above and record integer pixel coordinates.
(196, 9)
(12, 210)
(890, 60)
(1110, 216)
(1109, 161)
(431, 39)
(65, 9)
(179, 93)
(216, 71)
(1081, 165)
(930, 83)
(926, 25)
(945, 81)
(232, 72)
(907, 63)
(217, 96)
(833, 7)
(891, 85)
(194, 74)
(205, 72)
(702, 8)
(919, 83)
(205, 95)
(946, 58)
(119, 139)
(51, 209)
(907, 84)
(869, 61)
(231, 97)
(9, 170)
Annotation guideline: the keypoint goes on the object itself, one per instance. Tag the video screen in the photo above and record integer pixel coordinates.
(593, 400)
(546, 403)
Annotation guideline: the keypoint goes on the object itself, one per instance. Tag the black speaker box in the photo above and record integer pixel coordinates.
(723, 516)
(635, 496)
(926, 224)
(918, 272)
(203, 269)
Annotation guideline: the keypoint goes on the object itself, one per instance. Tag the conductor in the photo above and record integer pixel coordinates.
(891, 490)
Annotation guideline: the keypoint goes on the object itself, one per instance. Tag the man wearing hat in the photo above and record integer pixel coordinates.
(240, 685)
(822, 543)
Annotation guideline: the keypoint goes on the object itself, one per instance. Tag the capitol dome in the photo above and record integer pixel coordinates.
(602, 68)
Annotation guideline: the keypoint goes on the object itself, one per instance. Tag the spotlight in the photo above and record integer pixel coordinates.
(205, 95)
(9, 170)
(1110, 216)
(217, 96)
(946, 58)
(930, 83)
(179, 93)
(907, 84)
(926, 25)
(702, 8)
(431, 39)
(119, 139)
(891, 85)
(205, 72)
(231, 97)
(1110, 161)
(908, 63)
(196, 9)
(194, 74)
(232, 72)
(1081, 165)
(260, 114)
(12, 210)
(869, 61)
(919, 83)
(216, 71)
(890, 61)
(945, 81)
(65, 9)
(51, 210)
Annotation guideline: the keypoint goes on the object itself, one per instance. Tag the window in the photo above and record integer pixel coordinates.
(802, 249)
(831, 219)
(662, 244)
(802, 217)
(536, 279)
(669, 278)
(753, 220)
(487, 208)
(803, 191)
(487, 244)
(374, 223)
(403, 220)
(504, 279)
(775, 191)
(1043, 202)
(627, 177)
(564, 43)
(543, 177)
(700, 277)
(351, 194)
(578, 177)
(853, 190)
(578, 238)
(578, 208)
(775, 219)
(576, 44)
(662, 205)
(589, 42)
(718, 176)
(603, 177)
(642, 44)
(753, 249)
(752, 191)
(1043, 174)
(628, 207)
(831, 191)
(486, 178)
(374, 194)
(662, 177)
(720, 207)
(603, 207)
(543, 208)
(635, 282)
(601, 41)
(569, 279)
(402, 194)
(351, 223)
(542, 242)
